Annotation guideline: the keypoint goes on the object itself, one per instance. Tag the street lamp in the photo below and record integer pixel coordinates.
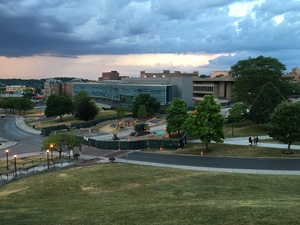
(48, 158)
(7, 168)
(51, 146)
(15, 156)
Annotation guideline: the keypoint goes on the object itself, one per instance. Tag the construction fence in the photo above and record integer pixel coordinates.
(135, 144)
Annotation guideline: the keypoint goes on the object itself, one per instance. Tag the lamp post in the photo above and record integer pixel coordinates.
(48, 158)
(15, 156)
(6, 151)
(51, 146)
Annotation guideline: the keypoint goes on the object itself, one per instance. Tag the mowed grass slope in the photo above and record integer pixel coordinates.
(134, 194)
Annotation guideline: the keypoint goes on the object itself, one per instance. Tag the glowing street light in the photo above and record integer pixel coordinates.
(48, 158)
(6, 151)
(51, 146)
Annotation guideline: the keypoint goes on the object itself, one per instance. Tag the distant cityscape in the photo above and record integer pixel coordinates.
(115, 90)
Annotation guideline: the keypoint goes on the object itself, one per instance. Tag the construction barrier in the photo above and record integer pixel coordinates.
(135, 144)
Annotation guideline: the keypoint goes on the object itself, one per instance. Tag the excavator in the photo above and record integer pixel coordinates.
(140, 128)
(119, 126)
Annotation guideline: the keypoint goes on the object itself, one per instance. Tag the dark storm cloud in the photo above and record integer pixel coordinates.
(73, 28)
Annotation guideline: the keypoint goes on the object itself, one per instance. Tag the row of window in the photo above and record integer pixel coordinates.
(163, 94)
(204, 89)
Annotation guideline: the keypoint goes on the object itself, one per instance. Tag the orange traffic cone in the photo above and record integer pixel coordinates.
(201, 153)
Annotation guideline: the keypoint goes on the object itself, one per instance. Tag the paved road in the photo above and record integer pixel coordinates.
(226, 164)
(19, 138)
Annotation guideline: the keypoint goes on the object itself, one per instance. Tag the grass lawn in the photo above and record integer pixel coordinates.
(229, 150)
(33, 119)
(244, 129)
(134, 194)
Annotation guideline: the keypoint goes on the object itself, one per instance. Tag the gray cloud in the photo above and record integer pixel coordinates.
(73, 28)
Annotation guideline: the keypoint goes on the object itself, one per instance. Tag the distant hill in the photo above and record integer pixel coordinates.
(35, 83)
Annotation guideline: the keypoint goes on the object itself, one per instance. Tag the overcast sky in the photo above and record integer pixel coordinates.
(83, 38)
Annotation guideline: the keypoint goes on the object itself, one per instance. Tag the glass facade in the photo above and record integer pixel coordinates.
(126, 93)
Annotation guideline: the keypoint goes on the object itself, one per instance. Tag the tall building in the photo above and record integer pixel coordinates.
(219, 87)
(52, 86)
(113, 75)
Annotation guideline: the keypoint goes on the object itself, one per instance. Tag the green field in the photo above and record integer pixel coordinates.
(132, 194)
(230, 150)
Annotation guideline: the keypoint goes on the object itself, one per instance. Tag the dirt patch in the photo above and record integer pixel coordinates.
(110, 126)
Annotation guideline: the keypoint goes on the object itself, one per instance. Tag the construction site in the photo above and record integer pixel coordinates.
(127, 129)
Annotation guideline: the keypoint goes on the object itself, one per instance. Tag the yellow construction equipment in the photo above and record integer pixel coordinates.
(118, 128)
(140, 128)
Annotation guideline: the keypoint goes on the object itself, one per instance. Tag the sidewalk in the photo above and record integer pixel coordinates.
(243, 141)
(20, 122)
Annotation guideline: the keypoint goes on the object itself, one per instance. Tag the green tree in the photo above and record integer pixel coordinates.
(23, 105)
(86, 109)
(59, 105)
(176, 114)
(151, 104)
(61, 142)
(206, 122)
(142, 112)
(264, 104)
(78, 97)
(120, 112)
(28, 93)
(284, 123)
(237, 113)
(251, 74)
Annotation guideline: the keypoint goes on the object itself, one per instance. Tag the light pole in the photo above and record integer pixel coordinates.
(48, 158)
(51, 146)
(15, 156)
(6, 151)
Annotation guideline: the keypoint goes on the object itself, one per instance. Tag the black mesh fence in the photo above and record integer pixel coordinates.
(136, 144)
(48, 130)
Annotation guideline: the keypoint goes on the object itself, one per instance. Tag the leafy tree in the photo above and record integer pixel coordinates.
(38, 91)
(251, 74)
(176, 115)
(120, 112)
(265, 103)
(86, 109)
(59, 105)
(28, 93)
(78, 97)
(206, 122)
(23, 105)
(151, 104)
(142, 112)
(284, 123)
(61, 142)
(237, 113)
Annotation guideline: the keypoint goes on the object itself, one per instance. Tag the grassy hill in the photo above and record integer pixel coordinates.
(133, 194)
